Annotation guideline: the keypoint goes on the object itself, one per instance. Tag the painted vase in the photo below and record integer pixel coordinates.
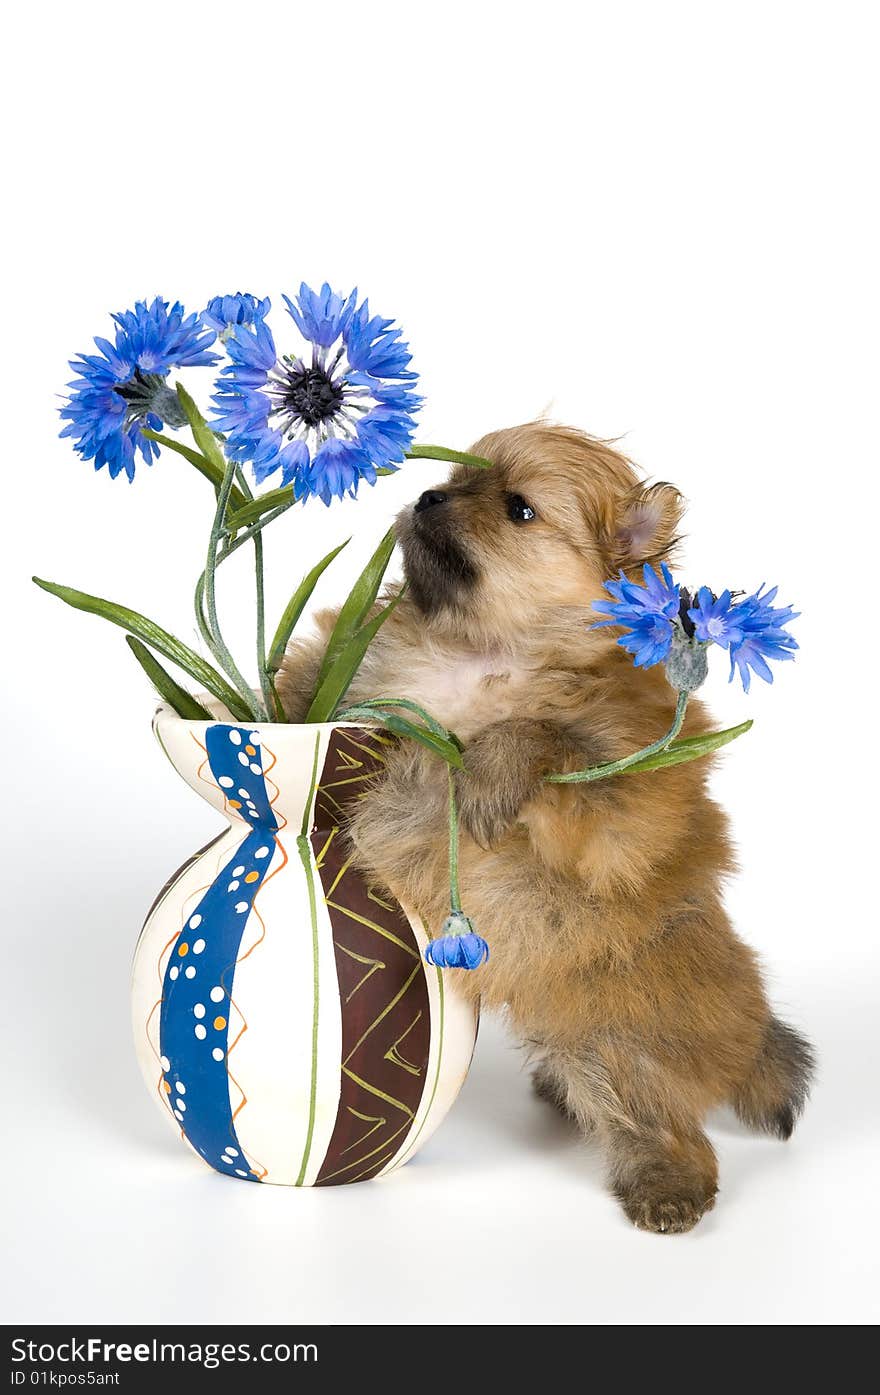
(285, 1019)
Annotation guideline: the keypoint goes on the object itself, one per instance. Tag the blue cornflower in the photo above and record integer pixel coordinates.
(374, 347)
(662, 626)
(337, 470)
(458, 946)
(223, 312)
(321, 316)
(762, 635)
(118, 392)
(647, 611)
(715, 618)
(649, 641)
(327, 421)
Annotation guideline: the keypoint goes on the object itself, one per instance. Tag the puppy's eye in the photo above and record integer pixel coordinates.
(518, 511)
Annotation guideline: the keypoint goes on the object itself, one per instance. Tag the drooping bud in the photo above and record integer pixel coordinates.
(687, 663)
(458, 946)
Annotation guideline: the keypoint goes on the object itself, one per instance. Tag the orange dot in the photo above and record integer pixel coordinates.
(234, 803)
(219, 1023)
(250, 750)
(183, 949)
(252, 876)
(166, 1087)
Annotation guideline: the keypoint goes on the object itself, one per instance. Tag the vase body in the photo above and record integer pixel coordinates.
(284, 1017)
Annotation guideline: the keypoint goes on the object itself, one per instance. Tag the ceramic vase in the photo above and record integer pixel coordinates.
(285, 1019)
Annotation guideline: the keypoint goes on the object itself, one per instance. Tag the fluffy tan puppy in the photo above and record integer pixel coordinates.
(601, 902)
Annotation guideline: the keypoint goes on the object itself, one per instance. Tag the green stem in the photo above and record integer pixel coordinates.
(212, 633)
(201, 619)
(615, 767)
(265, 686)
(454, 889)
(262, 667)
(227, 551)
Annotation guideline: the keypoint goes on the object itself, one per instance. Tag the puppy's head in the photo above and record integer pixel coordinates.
(491, 553)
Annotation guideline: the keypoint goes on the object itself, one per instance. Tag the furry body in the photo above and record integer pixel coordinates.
(610, 948)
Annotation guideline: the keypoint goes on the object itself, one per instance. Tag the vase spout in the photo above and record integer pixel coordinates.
(231, 765)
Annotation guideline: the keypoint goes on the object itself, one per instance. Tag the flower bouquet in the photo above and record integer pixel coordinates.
(291, 1019)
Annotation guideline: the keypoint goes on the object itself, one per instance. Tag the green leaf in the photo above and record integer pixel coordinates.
(381, 704)
(242, 517)
(202, 434)
(278, 712)
(157, 638)
(334, 686)
(689, 748)
(243, 514)
(201, 463)
(401, 727)
(184, 704)
(454, 457)
(295, 608)
(356, 608)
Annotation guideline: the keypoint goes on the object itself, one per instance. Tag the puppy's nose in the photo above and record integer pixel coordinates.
(430, 499)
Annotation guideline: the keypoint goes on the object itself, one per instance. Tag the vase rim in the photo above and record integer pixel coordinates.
(165, 713)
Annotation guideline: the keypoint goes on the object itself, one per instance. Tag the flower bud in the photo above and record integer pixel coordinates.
(458, 946)
(687, 663)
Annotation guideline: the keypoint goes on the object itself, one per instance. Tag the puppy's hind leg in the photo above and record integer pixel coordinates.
(548, 1086)
(773, 1094)
(664, 1176)
(661, 1165)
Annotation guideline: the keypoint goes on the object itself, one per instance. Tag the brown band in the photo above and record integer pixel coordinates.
(383, 994)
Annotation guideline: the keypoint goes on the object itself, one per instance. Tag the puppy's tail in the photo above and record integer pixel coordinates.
(773, 1095)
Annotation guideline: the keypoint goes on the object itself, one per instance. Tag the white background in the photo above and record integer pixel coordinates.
(655, 221)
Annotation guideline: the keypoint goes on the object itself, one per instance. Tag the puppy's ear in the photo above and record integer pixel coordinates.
(646, 525)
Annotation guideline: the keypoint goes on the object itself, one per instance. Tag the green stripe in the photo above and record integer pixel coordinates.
(305, 854)
(309, 797)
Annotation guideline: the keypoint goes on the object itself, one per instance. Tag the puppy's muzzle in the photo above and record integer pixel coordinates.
(429, 500)
(436, 564)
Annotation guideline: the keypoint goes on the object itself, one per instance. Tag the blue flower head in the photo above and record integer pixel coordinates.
(330, 414)
(762, 635)
(752, 630)
(322, 317)
(375, 348)
(647, 612)
(123, 388)
(714, 618)
(662, 626)
(458, 946)
(224, 312)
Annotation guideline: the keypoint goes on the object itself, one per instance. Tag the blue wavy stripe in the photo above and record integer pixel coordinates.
(195, 1012)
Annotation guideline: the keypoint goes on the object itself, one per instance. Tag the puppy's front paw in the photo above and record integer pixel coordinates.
(489, 807)
(504, 765)
(652, 1207)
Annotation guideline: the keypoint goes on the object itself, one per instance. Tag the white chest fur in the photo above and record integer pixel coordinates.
(465, 690)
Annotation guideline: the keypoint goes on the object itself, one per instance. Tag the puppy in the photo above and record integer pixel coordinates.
(601, 902)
